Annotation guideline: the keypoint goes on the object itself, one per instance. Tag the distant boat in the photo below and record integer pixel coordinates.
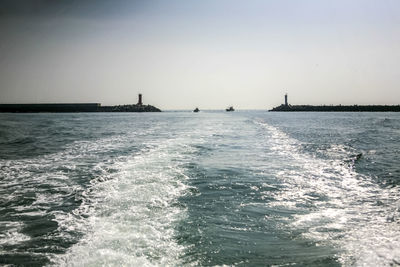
(230, 109)
(196, 110)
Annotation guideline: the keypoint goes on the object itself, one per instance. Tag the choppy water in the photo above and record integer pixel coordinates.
(212, 188)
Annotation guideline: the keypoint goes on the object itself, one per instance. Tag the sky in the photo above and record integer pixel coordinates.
(209, 54)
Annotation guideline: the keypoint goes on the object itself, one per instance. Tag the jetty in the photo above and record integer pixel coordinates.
(335, 108)
(76, 107)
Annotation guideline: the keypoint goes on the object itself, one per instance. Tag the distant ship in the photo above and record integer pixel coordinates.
(230, 109)
(196, 110)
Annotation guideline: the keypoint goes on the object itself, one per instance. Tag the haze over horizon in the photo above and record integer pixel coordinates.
(210, 54)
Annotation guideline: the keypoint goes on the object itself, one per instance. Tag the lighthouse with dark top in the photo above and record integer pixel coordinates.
(286, 102)
(140, 100)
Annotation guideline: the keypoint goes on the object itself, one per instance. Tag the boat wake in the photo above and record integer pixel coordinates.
(334, 205)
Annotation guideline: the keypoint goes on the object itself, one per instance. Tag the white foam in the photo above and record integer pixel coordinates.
(342, 204)
(131, 215)
(11, 234)
(34, 177)
(128, 201)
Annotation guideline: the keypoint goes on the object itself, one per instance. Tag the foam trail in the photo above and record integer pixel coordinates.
(131, 215)
(33, 188)
(336, 205)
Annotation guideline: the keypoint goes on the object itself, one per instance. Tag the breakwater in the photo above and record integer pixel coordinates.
(337, 108)
(129, 108)
(74, 107)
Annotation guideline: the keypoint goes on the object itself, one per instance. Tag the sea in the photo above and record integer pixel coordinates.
(214, 188)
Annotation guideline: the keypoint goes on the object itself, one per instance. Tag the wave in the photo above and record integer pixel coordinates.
(130, 217)
(335, 205)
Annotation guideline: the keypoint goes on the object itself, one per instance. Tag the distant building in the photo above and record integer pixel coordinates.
(286, 102)
(140, 100)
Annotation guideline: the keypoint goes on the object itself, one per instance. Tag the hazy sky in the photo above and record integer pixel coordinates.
(210, 54)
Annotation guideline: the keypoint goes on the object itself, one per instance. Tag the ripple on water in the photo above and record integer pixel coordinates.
(339, 204)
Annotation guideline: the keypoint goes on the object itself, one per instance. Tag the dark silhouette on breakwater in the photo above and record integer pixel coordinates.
(26, 108)
(140, 102)
(77, 107)
(129, 108)
(335, 108)
(230, 109)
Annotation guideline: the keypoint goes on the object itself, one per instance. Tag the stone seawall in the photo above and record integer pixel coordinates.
(129, 108)
(339, 108)
(70, 107)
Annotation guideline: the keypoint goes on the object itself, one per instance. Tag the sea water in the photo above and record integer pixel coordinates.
(246, 188)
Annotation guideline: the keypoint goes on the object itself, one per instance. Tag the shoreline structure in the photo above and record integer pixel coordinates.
(335, 108)
(76, 107)
(139, 107)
